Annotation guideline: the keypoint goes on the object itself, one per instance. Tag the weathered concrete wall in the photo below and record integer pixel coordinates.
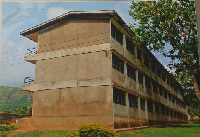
(75, 33)
(75, 67)
(71, 107)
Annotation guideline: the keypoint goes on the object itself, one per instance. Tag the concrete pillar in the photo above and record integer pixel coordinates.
(154, 111)
(127, 108)
(146, 110)
(137, 80)
(135, 50)
(125, 68)
(139, 107)
(144, 87)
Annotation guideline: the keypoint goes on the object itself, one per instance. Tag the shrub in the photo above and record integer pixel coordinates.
(13, 126)
(73, 133)
(4, 127)
(96, 130)
(4, 133)
(196, 122)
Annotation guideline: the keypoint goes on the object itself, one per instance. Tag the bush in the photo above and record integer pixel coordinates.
(8, 127)
(196, 122)
(96, 130)
(73, 133)
(4, 127)
(4, 133)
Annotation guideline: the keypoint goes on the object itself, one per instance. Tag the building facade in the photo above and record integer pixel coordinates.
(89, 69)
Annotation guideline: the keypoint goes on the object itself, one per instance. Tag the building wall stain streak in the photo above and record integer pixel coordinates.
(89, 69)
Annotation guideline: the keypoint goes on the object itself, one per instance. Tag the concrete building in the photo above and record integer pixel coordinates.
(89, 69)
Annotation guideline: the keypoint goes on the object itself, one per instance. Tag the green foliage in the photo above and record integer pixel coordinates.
(95, 130)
(11, 127)
(12, 98)
(196, 122)
(170, 27)
(73, 133)
(24, 110)
(188, 130)
(4, 133)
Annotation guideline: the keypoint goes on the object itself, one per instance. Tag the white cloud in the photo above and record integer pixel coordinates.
(56, 11)
(170, 70)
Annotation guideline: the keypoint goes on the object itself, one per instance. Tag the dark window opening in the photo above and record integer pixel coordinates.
(153, 68)
(142, 104)
(116, 34)
(147, 83)
(173, 99)
(139, 54)
(133, 101)
(117, 63)
(130, 46)
(163, 110)
(119, 96)
(131, 72)
(168, 81)
(167, 111)
(171, 113)
(155, 87)
(163, 77)
(161, 91)
(140, 78)
(157, 107)
(158, 73)
(174, 114)
(150, 106)
(146, 61)
(165, 93)
(170, 97)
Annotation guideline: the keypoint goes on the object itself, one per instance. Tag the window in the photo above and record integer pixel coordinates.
(168, 81)
(174, 114)
(147, 83)
(157, 107)
(119, 96)
(150, 106)
(116, 34)
(133, 101)
(171, 112)
(130, 46)
(146, 61)
(139, 54)
(158, 73)
(163, 110)
(142, 104)
(155, 87)
(117, 63)
(163, 77)
(167, 111)
(170, 97)
(140, 78)
(165, 93)
(131, 72)
(161, 91)
(173, 99)
(153, 67)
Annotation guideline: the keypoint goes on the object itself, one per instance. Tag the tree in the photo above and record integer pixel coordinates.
(169, 22)
(24, 110)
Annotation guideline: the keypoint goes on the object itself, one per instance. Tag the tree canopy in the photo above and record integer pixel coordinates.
(170, 27)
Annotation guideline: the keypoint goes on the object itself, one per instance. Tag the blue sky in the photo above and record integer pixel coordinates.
(19, 16)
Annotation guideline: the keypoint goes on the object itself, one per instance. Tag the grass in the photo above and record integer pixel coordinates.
(185, 130)
(191, 130)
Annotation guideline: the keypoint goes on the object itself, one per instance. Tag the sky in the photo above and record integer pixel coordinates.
(20, 16)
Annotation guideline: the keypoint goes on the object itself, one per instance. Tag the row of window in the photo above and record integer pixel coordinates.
(116, 34)
(118, 64)
(119, 97)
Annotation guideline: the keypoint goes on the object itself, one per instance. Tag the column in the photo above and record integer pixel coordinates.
(144, 87)
(146, 110)
(137, 80)
(127, 108)
(135, 51)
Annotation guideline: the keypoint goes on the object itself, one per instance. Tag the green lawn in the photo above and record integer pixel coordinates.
(189, 130)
